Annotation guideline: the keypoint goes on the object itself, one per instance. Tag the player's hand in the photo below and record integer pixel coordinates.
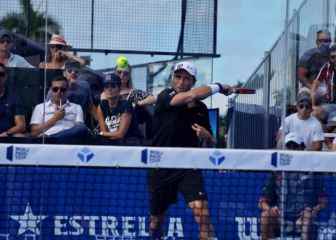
(274, 212)
(226, 89)
(201, 132)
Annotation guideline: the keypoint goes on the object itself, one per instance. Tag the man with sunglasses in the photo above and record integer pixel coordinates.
(303, 124)
(6, 57)
(12, 120)
(58, 118)
(312, 60)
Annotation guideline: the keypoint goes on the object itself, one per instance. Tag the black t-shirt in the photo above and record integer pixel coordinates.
(112, 116)
(10, 106)
(172, 124)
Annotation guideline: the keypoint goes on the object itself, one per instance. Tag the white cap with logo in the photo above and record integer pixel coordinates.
(187, 66)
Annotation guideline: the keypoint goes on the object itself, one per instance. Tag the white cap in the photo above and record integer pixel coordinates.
(187, 66)
(293, 137)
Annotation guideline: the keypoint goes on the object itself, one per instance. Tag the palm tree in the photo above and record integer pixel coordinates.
(29, 22)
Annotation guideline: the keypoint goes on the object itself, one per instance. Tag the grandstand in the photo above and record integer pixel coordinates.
(91, 190)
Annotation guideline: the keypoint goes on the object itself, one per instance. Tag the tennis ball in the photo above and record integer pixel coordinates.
(122, 62)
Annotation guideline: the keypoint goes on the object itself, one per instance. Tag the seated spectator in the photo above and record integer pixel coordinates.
(323, 88)
(58, 54)
(139, 100)
(79, 91)
(312, 60)
(127, 92)
(304, 199)
(58, 118)
(114, 114)
(6, 57)
(12, 120)
(303, 124)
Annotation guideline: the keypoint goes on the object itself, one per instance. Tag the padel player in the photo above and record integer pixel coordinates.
(181, 120)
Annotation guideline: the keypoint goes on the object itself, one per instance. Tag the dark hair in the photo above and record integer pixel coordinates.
(322, 31)
(332, 48)
(3, 67)
(58, 79)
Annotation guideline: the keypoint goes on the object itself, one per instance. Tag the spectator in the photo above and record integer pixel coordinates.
(58, 118)
(304, 199)
(6, 57)
(137, 98)
(79, 91)
(114, 114)
(304, 124)
(181, 120)
(127, 91)
(12, 120)
(58, 54)
(312, 60)
(323, 88)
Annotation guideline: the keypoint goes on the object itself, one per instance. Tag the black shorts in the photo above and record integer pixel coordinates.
(165, 184)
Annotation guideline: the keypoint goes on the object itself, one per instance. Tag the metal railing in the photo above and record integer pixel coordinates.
(256, 118)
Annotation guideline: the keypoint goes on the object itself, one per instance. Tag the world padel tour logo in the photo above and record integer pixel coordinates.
(85, 155)
(281, 159)
(217, 158)
(16, 153)
(151, 156)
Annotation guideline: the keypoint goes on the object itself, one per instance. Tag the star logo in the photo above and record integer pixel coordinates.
(28, 221)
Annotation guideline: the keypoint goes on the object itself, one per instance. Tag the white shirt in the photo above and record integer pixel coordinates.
(73, 115)
(310, 130)
(18, 61)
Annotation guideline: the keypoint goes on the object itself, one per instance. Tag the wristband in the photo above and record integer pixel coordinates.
(214, 88)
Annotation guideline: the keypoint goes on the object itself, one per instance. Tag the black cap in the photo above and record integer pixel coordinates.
(113, 79)
(5, 33)
(72, 65)
(304, 97)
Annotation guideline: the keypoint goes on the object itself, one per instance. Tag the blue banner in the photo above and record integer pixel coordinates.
(110, 203)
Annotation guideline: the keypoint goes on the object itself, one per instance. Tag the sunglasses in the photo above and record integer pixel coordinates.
(56, 89)
(72, 70)
(110, 85)
(5, 40)
(125, 73)
(306, 106)
(58, 47)
(325, 40)
(2, 74)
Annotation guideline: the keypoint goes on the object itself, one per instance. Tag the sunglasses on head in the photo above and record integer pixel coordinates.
(56, 89)
(304, 105)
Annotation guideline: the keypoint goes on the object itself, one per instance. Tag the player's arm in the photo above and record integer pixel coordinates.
(200, 93)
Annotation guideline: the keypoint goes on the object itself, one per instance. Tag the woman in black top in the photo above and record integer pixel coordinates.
(114, 115)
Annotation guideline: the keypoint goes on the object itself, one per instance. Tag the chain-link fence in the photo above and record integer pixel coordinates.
(256, 118)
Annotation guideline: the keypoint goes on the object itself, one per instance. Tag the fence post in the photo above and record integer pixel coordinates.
(266, 97)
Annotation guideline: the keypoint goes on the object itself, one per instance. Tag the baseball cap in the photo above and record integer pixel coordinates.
(293, 140)
(5, 33)
(112, 79)
(72, 65)
(187, 66)
(57, 40)
(122, 64)
(304, 97)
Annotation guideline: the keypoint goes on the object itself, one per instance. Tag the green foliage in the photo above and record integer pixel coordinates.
(30, 23)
